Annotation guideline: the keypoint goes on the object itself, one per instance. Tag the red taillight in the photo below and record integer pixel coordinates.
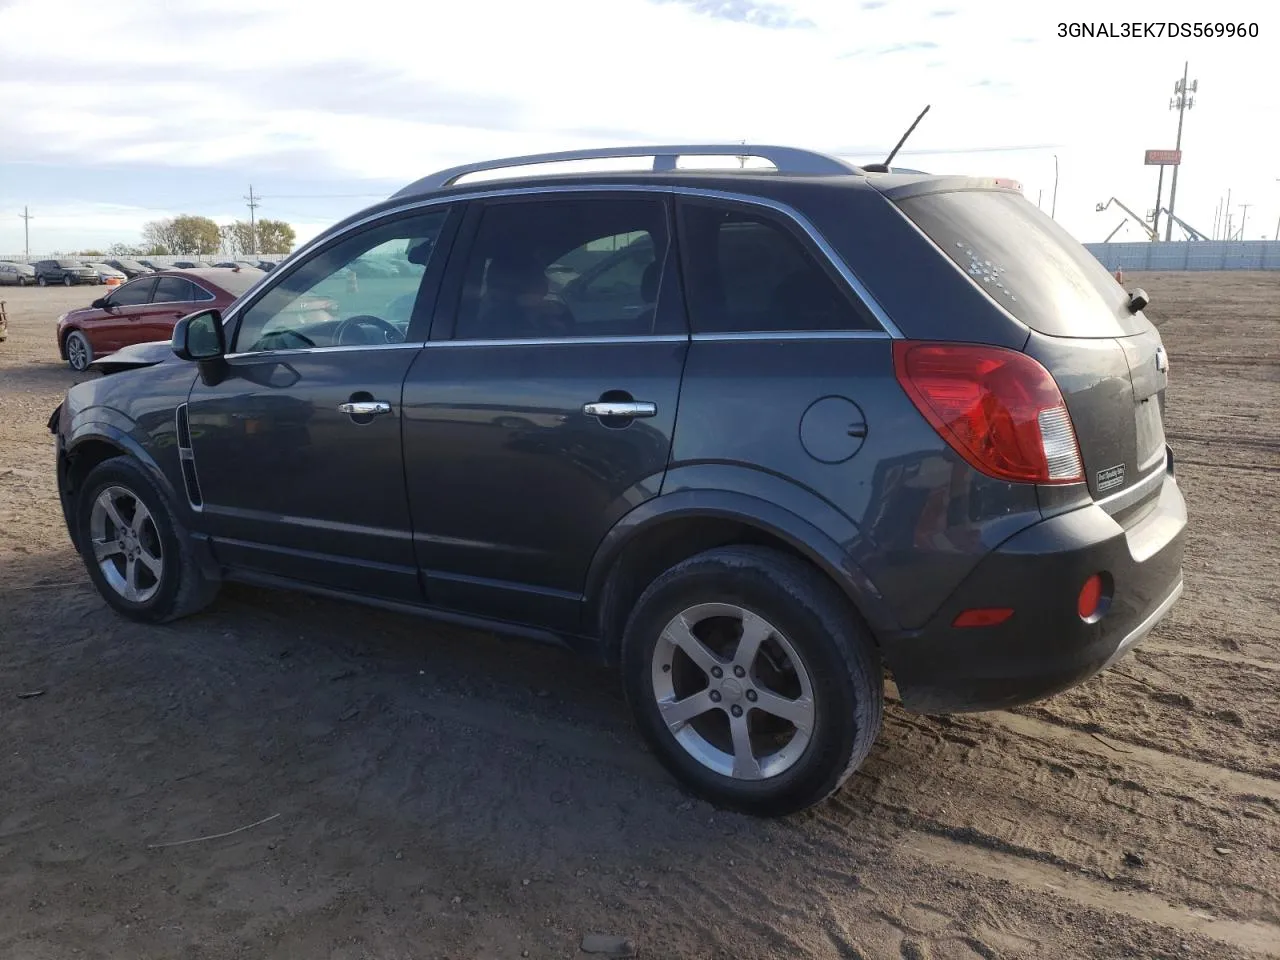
(982, 617)
(1090, 598)
(999, 409)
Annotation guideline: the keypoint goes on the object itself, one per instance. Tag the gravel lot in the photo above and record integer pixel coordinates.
(440, 793)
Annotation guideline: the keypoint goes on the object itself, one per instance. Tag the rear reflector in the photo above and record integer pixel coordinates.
(1090, 598)
(999, 409)
(983, 617)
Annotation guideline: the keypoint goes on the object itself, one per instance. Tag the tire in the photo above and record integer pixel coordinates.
(79, 351)
(41, 281)
(22, 281)
(802, 615)
(67, 281)
(180, 589)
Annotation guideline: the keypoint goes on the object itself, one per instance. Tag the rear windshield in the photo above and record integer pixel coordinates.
(1026, 262)
(237, 283)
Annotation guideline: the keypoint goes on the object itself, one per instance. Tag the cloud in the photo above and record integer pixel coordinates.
(942, 14)
(774, 16)
(909, 46)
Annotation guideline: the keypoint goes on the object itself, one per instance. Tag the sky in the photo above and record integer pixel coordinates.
(137, 109)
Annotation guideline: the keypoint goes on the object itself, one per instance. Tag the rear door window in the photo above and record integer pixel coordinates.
(173, 290)
(1025, 262)
(746, 272)
(552, 268)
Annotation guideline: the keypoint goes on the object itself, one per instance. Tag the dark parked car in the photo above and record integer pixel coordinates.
(64, 271)
(804, 425)
(154, 266)
(131, 268)
(190, 265)
(144, 309)
(238, 265)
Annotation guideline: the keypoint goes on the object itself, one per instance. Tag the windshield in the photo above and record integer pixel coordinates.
(1025, 261)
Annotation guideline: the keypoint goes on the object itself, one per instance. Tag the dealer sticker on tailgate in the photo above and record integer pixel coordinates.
(1111, 477)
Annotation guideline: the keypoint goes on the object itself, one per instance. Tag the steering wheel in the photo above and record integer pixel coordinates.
(390, 333)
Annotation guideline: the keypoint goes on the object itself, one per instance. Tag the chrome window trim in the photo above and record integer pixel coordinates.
(890, 329)
(795, 335)
(307, 351)
(561, 341)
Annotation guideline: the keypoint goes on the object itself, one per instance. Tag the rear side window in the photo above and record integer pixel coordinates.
(173, 290)
(1026, 262)
(745, 272)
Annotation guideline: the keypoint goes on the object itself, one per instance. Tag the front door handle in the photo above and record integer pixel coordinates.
(364, 408)
(620, 408)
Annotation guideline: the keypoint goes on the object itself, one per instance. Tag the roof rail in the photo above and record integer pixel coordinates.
(785, 159)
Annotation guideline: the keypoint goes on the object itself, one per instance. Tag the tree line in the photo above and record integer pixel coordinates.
(200, 236)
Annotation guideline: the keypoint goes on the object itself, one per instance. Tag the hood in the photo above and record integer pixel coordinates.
(134, 356)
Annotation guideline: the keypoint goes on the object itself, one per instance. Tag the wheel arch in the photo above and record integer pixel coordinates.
(92, 444)
(668, 529)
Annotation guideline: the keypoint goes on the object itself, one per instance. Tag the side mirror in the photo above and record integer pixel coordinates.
(199, 336)
(101, 304)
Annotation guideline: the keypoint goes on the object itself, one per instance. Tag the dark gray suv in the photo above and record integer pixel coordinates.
(753, 437)
(66, 272)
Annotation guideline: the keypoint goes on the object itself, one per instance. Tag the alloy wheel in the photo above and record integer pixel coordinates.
(126, 544)
(77, 352)
(733, 691)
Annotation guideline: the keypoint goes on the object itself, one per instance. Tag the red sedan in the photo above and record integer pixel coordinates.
(146, 309)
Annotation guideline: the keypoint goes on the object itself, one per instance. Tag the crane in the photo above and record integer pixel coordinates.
(1192, 232)
(1150, 231)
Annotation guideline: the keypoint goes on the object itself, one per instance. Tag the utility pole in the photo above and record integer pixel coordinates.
(1180, 102)
(1244, 212)
(1278, 219)
(1053, 213)
(253, 221)
(26, 234)
(1155, 218)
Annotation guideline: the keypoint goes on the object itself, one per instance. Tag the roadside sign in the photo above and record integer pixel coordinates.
(1163, 158)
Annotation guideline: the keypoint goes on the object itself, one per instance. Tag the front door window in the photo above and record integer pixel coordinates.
(360, 292)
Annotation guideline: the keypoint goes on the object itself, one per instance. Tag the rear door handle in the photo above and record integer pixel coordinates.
(364, 408)
(620, 408)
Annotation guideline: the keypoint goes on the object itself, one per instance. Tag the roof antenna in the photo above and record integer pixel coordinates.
(884, 167)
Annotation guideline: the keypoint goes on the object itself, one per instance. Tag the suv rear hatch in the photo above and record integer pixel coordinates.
(1107, 359)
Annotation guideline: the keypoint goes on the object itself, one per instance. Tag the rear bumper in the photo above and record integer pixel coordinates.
(1045, 647)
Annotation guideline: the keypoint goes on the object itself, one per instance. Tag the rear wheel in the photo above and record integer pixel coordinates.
(136, 552)
(79, 351)
(752, 680)
(67, 281)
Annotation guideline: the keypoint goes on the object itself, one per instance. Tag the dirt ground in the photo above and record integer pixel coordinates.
(419, 792)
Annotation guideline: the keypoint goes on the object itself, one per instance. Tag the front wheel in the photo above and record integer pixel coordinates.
(41, 281)
(79, 351)
(137, 554)
(751, 678)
